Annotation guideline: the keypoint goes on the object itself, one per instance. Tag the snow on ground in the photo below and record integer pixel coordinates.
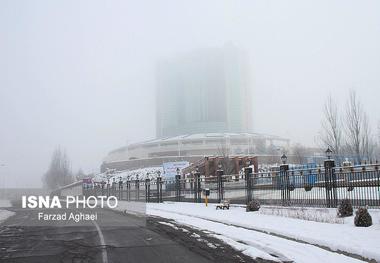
(255, 244)
(4, 214)
(323, 215)
(344, 237)
(141, 173)
(5, 203)
(236, 227)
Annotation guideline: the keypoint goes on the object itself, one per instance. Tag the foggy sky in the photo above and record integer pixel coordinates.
(81, 74)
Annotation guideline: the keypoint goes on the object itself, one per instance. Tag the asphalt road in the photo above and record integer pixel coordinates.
(137, 239)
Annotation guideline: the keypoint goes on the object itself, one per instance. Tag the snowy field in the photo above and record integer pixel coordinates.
(5, 203)
(275, 237)
(4, 214)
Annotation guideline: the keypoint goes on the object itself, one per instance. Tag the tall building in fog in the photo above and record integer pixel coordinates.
(204, 91)
(203, 108)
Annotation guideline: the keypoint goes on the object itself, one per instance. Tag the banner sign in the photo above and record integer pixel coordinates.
(170, 169)
(87, 183)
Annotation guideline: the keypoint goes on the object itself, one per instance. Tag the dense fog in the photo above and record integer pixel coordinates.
(82, 74)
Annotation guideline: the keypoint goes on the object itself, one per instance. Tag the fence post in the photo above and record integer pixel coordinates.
(198, 189)
(159, 189)
(120, 189)
(128, 190)
(137, 188)
(220, 174)
(195, 188)
(147, 190)
(330, 183)
(178, 186)
(248, 183)
(102, 185)
(113, 187)
(284, 179)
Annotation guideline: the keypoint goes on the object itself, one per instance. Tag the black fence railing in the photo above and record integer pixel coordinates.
(314, 187)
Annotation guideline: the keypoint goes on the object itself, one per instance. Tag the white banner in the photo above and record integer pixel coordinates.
(170, 169)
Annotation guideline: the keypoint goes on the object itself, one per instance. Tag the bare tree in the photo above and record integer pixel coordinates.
(59, 172)
(368, 141)
(358, 133)
(224, 151)
(300, 153)
(331, 134)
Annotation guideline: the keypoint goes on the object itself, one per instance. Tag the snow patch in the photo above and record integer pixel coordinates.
(344, 237)
(195, 235)
(5, 214)
(5, 203)
(169, 224)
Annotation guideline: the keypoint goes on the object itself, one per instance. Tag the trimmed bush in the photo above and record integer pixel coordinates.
(308, 187)
(363, 218)
(253, 205)
(345, 208)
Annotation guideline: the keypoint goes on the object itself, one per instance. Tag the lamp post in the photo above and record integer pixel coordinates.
(284, 181)
(328, 153)
(137, 187)
(113, 187)
(178, 185)
(159, 187)
(330, 179)
(284, 158)
(120, 187)
(147, 188)
(248, 180)
(197, 185)
(128, 186)
(220, 174)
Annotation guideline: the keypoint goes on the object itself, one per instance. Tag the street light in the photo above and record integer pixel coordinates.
(328, 153)
(284, 158)
(220, 166)
(120, 183)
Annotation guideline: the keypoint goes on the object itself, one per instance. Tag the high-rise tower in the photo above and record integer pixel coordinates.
(204, 91)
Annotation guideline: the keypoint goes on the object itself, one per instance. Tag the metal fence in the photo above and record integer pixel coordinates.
(314, 187)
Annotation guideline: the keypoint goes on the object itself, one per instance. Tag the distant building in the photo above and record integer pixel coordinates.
(192, 147)
(207, 90)
(203, 109)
